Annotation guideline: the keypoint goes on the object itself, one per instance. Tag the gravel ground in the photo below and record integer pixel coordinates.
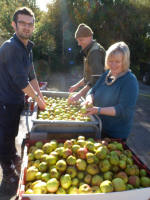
(139, 139)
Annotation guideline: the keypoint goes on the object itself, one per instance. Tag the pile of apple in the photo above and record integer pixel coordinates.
(57, 108)
(80, 166)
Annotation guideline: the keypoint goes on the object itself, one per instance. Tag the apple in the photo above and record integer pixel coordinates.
(48, 147)
(54, 173)
(52, 185)
(71, 160)
(90, 157)
(67, 152)
(31, 173)
(38, 154)
(39, 144)
(84, 189)
(73, 190)
(51, 160)
(61, 165)
(45, 177)
(71, 170)
(81, 164)
(40, 188)
(95, 189)
(106, 186)
(43, 167)
(88, 178)
(30, 156)
(68, 144)
(65, 181)
(75, 147)
(75, 181)
(96, 180)
(82, 152)
(61, 191)
(92, 169)
(118, 184)
(80, 175)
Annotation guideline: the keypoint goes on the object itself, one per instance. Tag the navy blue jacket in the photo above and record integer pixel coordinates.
(122, 95)
(16, 70)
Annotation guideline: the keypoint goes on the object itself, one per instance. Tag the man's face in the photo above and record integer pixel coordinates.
(84, 41)
(24, 26)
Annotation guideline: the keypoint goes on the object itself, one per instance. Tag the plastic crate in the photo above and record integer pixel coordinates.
(138, 194)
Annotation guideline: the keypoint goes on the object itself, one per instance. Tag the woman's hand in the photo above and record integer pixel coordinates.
(88, 101)
(92, 111)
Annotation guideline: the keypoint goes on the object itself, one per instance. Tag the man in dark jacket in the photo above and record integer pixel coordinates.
(94, 58)
(17, 78)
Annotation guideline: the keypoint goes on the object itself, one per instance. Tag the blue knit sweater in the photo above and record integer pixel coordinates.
(122, 95)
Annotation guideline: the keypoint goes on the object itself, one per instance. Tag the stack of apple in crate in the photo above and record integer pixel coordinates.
(82, 166)
(58, 108)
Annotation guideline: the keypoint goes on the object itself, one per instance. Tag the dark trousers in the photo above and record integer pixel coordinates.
(9, 124)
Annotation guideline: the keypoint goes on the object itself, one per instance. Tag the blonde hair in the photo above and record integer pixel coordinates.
(119, 47)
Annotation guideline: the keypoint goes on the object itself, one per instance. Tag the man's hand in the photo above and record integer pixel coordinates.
(41, 103)
(73, 88)
(74, 98)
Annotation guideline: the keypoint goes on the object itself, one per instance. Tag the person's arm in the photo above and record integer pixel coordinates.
(110, 111)
(76, 86)
(33, 93)
(18, 73)
(126, 102)
(36, 87)
(79, 94)
(128, 98)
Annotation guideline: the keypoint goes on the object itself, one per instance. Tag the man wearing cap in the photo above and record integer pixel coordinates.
(94, 58)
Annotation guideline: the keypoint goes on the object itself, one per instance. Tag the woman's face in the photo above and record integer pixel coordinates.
(114, 63)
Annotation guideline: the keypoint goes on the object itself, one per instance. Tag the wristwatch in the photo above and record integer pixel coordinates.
(99, 110)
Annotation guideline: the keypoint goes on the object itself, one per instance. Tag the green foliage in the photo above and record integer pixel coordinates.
(111, 21)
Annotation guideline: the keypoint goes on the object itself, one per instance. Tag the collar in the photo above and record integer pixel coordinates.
(86, 49)
(29, 45)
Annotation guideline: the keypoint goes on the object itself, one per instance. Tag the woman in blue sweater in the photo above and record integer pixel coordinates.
(115, 93)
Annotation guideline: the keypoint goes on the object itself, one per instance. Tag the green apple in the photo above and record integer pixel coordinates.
(71, 170)
(47, 147)
(84, 189)
(81, 164)
(52, 185)
(54, 173)
(39, 144)
(40, 188)
(51, 160)
(65, 181)
(38, 154)
(61, 191)
(45, 177)
(73, 190)
(97, 180)
(61, 165)
(43, 167)
(31, 173)
(71, 160)
(30, 156)
(106, 186)
(75, 181)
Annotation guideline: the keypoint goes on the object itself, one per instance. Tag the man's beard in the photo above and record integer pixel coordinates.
(25, 36)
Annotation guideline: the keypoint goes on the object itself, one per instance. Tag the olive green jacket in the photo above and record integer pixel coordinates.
(94, 59)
